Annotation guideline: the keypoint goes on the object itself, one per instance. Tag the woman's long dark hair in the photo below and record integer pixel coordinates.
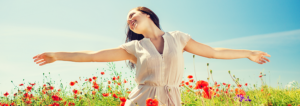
(134, 36)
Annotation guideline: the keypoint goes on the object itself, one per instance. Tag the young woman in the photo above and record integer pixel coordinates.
(157, 56)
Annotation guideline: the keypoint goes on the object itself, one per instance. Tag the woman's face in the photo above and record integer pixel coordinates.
(137, 21)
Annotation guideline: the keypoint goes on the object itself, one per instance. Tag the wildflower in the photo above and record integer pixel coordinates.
(108, 82)
(12, 104)
(44, 85)
(75, 91)
(118, 78)
(206, 93)
(125, 81)
(94, 78)
(119, 83)
(262, 90)
(191, 80)
(93, 92)
(6, 94)
(115, 96)
(76, 82)
(15, 94)
(246, 84)
(70, 104)
(240, 97)
(102, 73)
(21, 84)
(85, 80)
(58, 90)
(228, 85)
(217, 90)
(56, 98)
(72, 83)
(123, 99)
(55, 104)
(32, 84)
(240, 85)
(29, 88)
(28, 102)
(249, 100)
(191, 86)
(218, 85)
(201, 84)
(105, 94)
(51, 87)
(114, 78)
(190, 76)
(260, 76)
(90, 79)
(186, 83)
(240, 92)
(224, 83)
(96, 86)
(151, 102)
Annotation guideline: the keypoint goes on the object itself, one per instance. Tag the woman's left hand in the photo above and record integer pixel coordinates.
(258, 57)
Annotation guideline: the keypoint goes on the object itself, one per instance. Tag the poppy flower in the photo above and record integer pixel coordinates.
(85, 80)
(125, 81)
(119, 83)
(240, 85)
(228, 85)
(105, 94)
(90, 79)
(206, 93)
(102, 73)
(114, 78)
(123, 99)
(217, 90)
(118, 78)
(224, 83)
(21, 84)
(44, 85)
(191, 86)
(96, 86)
(75, 91)
(32, 84)
(191, 80)
(201, 84)
(29, 88)
(190, 76)
(15, 94)
(260, 76)
(151, 102)
(28, 102)
(51, 87)
(76, 82)
(216, 83)
(72, 83)
(239, 91)
(6, 94)
(71, 103)
(93, 92)
(94, 78)
(115, 96)
(13, 103)
(246, 84)
(56, 98)
(108, 82)
(182, 82)
(187, 83)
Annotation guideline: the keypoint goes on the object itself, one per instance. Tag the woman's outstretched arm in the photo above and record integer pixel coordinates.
(200, 49)
(106, 55)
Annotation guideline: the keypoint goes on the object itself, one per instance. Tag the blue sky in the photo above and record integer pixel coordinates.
(28, 28)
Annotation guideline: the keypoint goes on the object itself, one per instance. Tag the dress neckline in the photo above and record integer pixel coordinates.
(163, 36)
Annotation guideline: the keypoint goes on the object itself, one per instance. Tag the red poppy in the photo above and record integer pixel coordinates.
(125, 81)
(90, 79)
(119, 83)
(191, 80)
(206, 93)
(29, 88)
(96, 86)
(151, 102)
(75, 91)
(102, 73)
(10, 104)
(191, 86)
(28, 102)
(224, 83)
(190, 76)
(56, 98)
(260, 76)
(70, 104)
(108, 82)
(118, 78)
(187, 83)
(246, 84)
(201, 84)
(115, 96)
(51, 87)
(21, 84)
(114, 78)
(93, 92)
(123, 99)
(32, 84)
(44, 85)
(240, 85)
(217, 90)
(76, 82)
(15, 94)
(58, 90)
(218, 85)
(85, 80)
(182, 82)
(228, 85)
(105, 94)
(72, 83)
(6, 94)
(122, 104)
(239, 91)
(55, 104)
(94, 78)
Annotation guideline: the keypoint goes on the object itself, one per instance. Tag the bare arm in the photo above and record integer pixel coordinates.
(106, 55)
(200, 49)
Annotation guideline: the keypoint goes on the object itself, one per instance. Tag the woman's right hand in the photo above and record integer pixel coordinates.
(44, 58)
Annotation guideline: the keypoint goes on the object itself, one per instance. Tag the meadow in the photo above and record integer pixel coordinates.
(97, 91)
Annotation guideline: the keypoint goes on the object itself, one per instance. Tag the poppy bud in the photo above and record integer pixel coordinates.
(207, 78)
(233, 76)
(193, 56)
(260, 72)
(207, 64)
(229, 71)
(211, 71)
(237, 79)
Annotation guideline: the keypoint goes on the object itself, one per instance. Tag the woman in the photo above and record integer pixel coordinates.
(157, 56)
